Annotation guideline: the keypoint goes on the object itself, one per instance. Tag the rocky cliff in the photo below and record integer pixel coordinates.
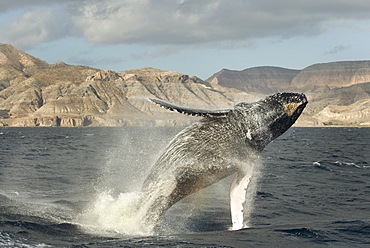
(35, 93)
(335, 74)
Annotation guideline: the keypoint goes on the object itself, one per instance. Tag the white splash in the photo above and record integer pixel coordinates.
(110, 215)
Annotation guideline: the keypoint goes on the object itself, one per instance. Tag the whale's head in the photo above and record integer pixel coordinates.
(267, 119)
(288, 107)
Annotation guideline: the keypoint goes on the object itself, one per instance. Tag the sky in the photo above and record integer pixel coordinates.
(196, 37)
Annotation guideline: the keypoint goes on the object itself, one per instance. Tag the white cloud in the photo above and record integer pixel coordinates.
(35, 26)
(177, 22)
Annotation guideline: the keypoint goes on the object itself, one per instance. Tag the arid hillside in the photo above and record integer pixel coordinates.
(338, 92)
(35, 93)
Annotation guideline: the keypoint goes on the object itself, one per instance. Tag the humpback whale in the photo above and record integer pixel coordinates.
(216, 147)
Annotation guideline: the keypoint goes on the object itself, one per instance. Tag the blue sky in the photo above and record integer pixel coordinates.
(198, 37)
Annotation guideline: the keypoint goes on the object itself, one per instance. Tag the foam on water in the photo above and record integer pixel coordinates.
(109, 215)
(350, 164)
(7, 240)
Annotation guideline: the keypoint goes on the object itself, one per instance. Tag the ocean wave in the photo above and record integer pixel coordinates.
(10, 240)
(329, 165)
(307, 233)
(350, 164)
(357, 231)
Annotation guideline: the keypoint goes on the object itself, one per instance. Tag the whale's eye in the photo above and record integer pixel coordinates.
(289, 108)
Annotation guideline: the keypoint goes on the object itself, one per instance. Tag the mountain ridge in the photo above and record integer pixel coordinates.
(35, 93)
(261, 79)
(320, 74)
(335, 90)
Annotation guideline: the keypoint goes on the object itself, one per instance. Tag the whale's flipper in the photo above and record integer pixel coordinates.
(238, 198)
(192, 112)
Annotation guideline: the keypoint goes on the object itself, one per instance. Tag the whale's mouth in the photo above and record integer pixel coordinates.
(299, 102)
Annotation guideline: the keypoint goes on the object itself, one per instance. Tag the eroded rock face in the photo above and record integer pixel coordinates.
(104, 75)
(353, 114)
(64, 95)
(336, 74)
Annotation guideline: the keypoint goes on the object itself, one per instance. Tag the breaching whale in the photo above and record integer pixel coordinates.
(215, 147)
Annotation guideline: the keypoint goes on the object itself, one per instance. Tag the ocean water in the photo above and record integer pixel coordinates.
(69, 187)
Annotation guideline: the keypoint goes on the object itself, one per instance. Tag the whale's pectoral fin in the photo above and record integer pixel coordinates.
(193, 112)
(238, 198)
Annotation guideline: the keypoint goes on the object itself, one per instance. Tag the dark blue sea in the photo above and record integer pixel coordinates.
(64, 187)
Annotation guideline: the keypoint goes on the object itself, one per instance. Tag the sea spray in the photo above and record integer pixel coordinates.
(114, 208)
(109, 215)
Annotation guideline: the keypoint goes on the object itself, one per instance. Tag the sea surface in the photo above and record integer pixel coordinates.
(66, 187)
